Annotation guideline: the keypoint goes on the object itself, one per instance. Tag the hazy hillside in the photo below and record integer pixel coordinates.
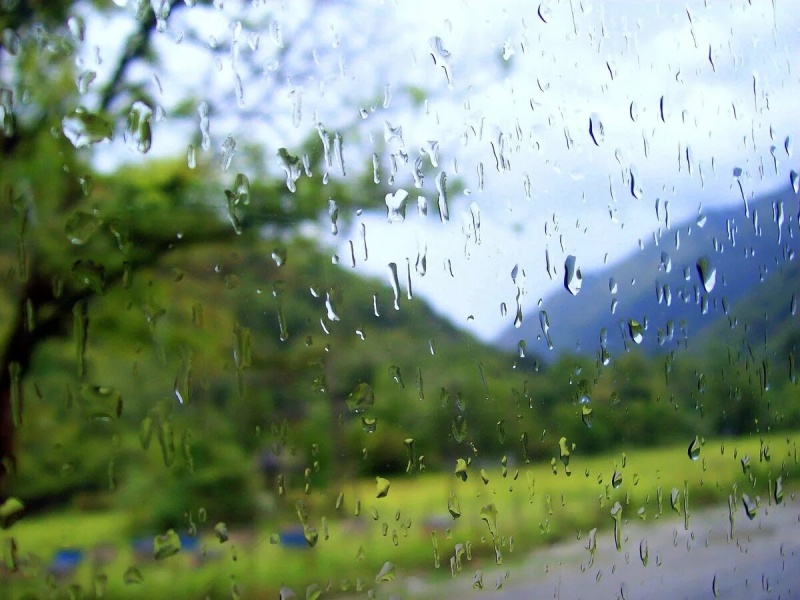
(661, 289)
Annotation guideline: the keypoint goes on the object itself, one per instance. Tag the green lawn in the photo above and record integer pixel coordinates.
(533, 506)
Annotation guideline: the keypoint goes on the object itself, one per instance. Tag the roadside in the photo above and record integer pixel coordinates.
(760, 560)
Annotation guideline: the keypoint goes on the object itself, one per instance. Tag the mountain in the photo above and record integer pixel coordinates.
(677, 288)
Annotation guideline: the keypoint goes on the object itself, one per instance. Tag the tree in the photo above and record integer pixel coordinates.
(72, 234)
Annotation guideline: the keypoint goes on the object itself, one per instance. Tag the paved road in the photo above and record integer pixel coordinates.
(760, 561)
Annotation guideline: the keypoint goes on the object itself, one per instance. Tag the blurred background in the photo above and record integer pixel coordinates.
(334, 298)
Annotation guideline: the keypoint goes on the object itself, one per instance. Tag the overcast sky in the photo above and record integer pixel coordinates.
(514, 83)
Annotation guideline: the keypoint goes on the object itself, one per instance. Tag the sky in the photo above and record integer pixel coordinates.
(678, 94)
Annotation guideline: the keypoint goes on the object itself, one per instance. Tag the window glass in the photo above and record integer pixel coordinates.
(351, 299)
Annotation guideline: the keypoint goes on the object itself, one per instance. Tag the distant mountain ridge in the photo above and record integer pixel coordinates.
(658, 296)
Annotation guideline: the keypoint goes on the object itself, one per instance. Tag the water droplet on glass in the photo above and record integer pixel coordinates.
(675, 500)
(83, 128)
(440, 56)
(794, 179)
(11, 511)
(394, 373)
(292, 167)
(708, 274)
(778, 491)
(138, 133)
(166, 545)
(395, 282)
(544, 12)
(586, 415)
(564, 453)
(361, 398)
(228, 150)
(616, 516)
(279, 255)
(666, 262)
(636, 186)
(132, 576)
(636, 331)
(441, 187)
(644, 553)
(572, 275)
(460, 428)
(489, 516)
(221, 531)
(386, 573)
(100, 403)
(461, 469)
(183, 378)
(396, 206)
(544, 322)
(382, 486)
(202, 111)
(596, 129)
(750, 507)
(81, 226)
(694, 448)
(85, 79)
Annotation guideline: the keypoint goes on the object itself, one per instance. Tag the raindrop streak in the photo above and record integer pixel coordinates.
(333, 212)
(544, 321)
(80, 322)
(644, 552)
(228, 150)
(636, 187)
(544, 12)
(441, 187)
(675, 500)
(183, 378)
(572, 275)
(518, 315)
(202, 111)
(395, 284)
(596, 129)
(616, 515)
(440, 57)
(337, 153)
(708, 274)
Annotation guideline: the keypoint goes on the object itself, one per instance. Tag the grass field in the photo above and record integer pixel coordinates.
(534, 505)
